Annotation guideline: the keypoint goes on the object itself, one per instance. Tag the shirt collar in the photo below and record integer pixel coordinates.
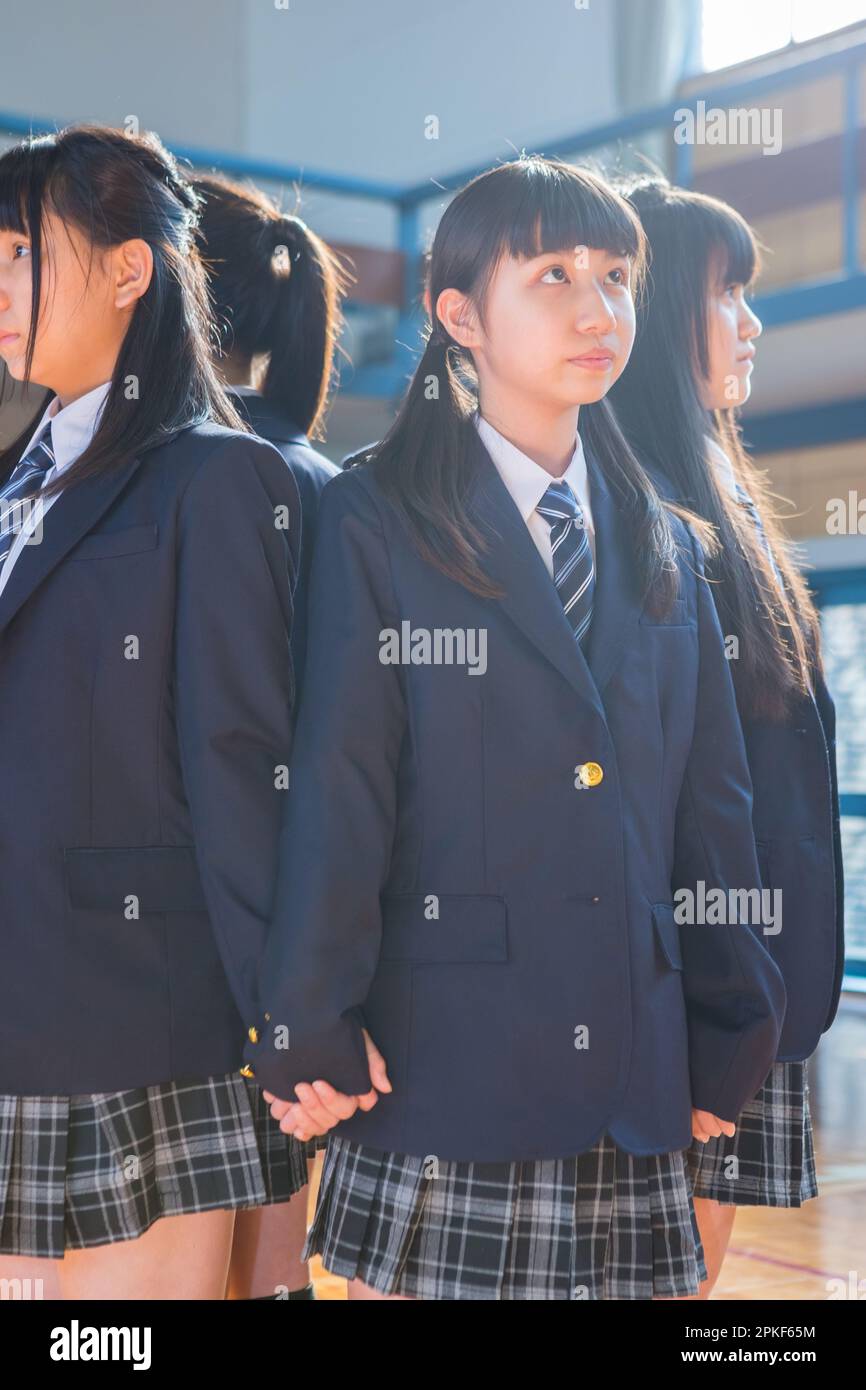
(525, 479)
(72, 426)
(722, 464)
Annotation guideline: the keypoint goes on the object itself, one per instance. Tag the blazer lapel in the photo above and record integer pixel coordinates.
(513, 562)
(617, 604)
(76, 511)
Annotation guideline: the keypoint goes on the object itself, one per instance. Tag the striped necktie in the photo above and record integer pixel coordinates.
(748, 502)
(573, 570)
(24, 481)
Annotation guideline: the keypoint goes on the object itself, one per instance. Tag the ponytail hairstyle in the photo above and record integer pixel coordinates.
(114, 187)
(692, 238)
(276, 289)
(523, 208)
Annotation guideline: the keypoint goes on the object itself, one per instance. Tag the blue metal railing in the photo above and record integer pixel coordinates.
(826, 295)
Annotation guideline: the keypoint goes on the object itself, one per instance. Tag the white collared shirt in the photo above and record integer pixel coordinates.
(527, 483)
(72, 429)
(722, 464)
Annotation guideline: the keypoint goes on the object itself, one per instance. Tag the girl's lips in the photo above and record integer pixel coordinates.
(597, 361)
(7, 337)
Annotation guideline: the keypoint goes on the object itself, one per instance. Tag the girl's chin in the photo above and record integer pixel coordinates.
(592, 391)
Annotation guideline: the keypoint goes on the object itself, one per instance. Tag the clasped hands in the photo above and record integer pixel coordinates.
(319, 1107)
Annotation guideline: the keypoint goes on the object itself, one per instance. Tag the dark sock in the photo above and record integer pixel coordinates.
(306, 1294)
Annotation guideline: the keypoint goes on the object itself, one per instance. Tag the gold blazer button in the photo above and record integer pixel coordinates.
(253, 1034)
(246, 1070)
(590, 774)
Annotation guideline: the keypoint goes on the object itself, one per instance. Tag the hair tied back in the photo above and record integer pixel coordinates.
(287, 235)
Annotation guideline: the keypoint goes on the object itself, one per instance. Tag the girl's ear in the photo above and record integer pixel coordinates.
(132, 271)
(456, 312)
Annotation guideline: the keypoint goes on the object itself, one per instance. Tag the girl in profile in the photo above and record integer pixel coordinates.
(148, 559)
(690, 373)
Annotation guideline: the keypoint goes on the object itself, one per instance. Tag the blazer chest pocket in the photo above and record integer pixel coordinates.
(668, 934)
(677, 617)
(465, 927)
(106, 545)
(163, 878)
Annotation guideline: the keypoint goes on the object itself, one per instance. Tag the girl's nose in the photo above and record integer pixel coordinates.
(751, 326)
(595, 313)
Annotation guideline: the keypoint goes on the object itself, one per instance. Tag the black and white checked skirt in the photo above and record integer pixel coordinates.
(604, 1224)
(88, 1170)
(770, 1161)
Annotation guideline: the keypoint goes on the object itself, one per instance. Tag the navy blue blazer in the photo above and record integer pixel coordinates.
(311, 471)
(796, 824)
(507, 936)
(146, 703)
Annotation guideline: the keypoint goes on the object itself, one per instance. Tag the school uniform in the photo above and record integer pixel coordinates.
(311, 470)
(796, 825)
(479, 869)
(145, 618)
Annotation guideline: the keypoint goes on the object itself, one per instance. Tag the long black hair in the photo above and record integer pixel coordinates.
(113, 187)
(276, 289)
(695, 240)
(520, 209)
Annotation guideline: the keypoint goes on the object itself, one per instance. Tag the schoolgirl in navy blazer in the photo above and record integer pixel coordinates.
(473, 905)
(479, 866)
(690, 372)
(148, 559)
(787, 712)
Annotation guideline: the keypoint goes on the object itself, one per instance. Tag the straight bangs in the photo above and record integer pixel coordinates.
(544, 205)
(732, 239)
(23, 174)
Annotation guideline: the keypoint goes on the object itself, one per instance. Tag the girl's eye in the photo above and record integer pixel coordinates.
(20, 246)
(622, 276)
(553, 270)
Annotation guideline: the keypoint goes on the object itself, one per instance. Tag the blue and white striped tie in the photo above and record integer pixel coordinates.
(573, 569)
(24, 481)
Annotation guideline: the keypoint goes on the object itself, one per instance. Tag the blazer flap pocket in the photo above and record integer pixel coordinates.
(668, 934)
(440, 928)
(164, 878)
(103, 544)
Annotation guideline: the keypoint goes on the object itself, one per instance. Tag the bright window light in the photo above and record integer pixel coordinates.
(811, 19)
(736, 30)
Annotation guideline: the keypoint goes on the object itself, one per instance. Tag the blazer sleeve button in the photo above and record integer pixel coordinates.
(246, 1070)
(253, 1034)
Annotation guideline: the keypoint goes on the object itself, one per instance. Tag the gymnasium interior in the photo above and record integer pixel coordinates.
(365, 118)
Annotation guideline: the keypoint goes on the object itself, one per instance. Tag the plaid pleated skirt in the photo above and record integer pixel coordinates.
(88, 1170)
(601, 1225)
(770, 1161)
